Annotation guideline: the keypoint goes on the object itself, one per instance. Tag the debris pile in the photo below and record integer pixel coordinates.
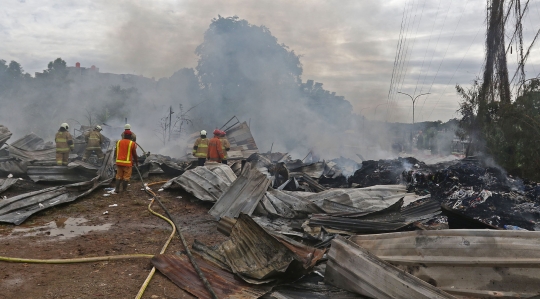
(381, 229)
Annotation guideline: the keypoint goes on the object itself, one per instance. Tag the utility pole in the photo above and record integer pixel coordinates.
(170, 121)
(413, 101)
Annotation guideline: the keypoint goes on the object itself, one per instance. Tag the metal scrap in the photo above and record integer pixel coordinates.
(16, 209)
(243, 195)
(180, 271)
(354, 268)
(6, 183)
(470, 263)
(207, 183)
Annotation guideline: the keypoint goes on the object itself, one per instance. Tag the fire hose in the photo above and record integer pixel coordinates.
(107, 258)
(190, 256)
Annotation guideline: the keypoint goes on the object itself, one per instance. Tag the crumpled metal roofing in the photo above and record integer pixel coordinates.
(207, 183)
(76, 171)
(279, 203)
(243, 195)
(6, 183)
(388, 220)
(16, 209)
(260, 256)
(370, 199)
(13, 166)
(180, 271)
(33, 155)
(31, 142)
(475, 263)
(354, 268)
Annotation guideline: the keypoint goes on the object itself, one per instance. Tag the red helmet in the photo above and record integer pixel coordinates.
(217, 132)
(223, 133)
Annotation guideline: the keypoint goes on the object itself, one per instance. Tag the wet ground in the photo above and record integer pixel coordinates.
(83, 229)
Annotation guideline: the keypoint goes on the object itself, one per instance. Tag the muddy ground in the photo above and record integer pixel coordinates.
(80, 229)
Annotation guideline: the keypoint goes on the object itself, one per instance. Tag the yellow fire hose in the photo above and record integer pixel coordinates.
(107, 258)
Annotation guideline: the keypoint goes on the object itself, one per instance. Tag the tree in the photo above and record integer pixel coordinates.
(56, 70)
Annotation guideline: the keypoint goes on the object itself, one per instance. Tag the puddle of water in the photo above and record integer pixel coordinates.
(64, 228)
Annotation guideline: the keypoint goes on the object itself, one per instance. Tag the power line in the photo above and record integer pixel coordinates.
(425, 53)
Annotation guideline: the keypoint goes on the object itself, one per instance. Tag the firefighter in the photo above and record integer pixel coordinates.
(64, 144)
(127, 128)
(126, 155)
(200, 148)
(215, 149)
(225, 145)
(94, 141)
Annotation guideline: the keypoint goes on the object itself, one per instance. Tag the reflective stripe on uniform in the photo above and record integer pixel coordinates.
(64, 149)
(128, 155)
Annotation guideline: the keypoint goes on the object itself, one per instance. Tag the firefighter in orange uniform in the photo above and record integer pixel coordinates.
(225, 145)
(64, 144)
(200, 148)
(215, 149)
(126, 156)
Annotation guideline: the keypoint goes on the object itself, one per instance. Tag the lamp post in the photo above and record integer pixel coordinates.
(413, 101)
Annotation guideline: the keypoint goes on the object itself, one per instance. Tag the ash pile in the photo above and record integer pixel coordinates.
(473, 192)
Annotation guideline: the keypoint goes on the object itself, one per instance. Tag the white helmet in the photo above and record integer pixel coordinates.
(98, 128)
(64, 125)
(203, 132)
(127, 127)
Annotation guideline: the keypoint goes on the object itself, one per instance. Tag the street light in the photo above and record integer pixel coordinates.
(413, 101)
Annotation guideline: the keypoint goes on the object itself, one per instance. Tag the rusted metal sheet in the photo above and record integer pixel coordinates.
(474, 263)
(255, 254)
(354, 268)
(6, 183)
(207, 183)
(226, 285)
(16, 209)
(243, 195)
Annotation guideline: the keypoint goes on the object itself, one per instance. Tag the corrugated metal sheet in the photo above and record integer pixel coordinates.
(207, 183)
(33, 155)
(279, 203)
(5, 134)
(12, 166)
(259, 256)
(388, 220)
(370, 199)
(474, 263)
(16, 209)
(31, 142)
(354, 268)
(179, 270)
(311, 286)
(60, 174)
(243, 195)
(6, 183)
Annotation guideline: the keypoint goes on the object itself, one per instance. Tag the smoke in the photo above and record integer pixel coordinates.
(242, 70)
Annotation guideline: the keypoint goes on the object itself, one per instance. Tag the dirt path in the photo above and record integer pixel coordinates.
(127, 229)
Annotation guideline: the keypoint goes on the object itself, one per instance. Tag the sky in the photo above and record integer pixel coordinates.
(349, 46)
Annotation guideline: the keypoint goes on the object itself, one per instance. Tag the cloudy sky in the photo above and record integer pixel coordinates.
(350, 46)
